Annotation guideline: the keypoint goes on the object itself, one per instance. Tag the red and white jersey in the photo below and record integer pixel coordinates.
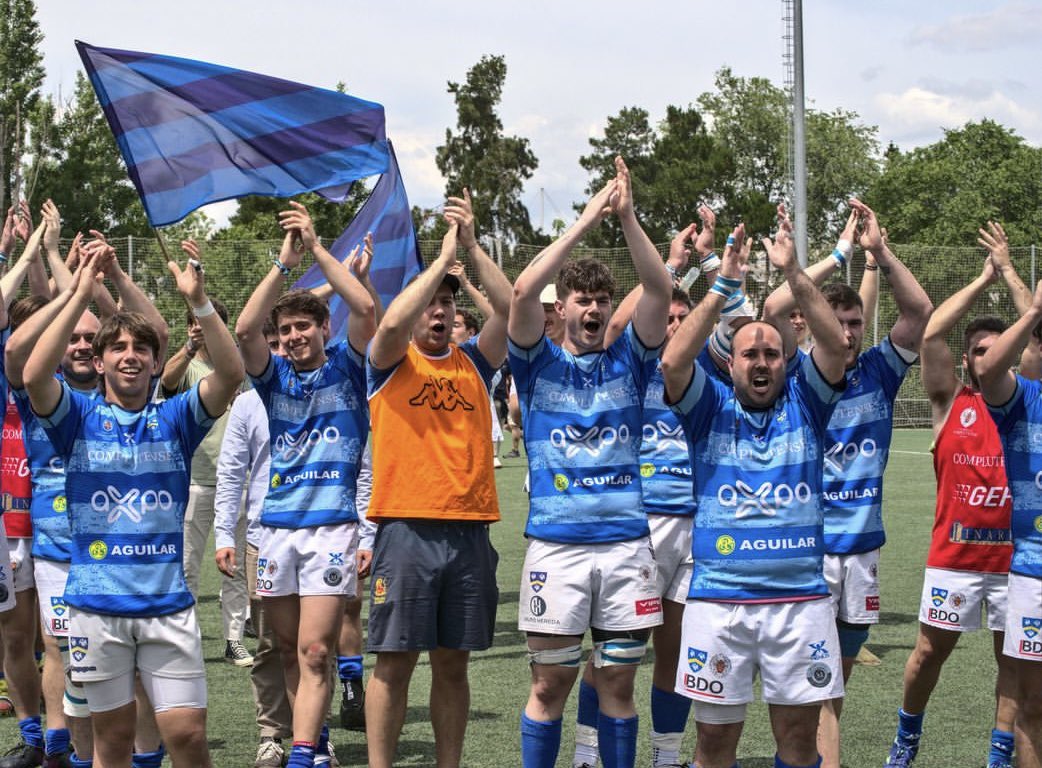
(971, 529)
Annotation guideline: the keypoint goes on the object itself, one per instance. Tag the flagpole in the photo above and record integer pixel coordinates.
(162, 245)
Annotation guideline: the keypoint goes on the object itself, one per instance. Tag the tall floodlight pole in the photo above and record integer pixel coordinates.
(799, 136)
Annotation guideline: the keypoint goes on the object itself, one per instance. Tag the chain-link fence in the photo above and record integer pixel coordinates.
(233, 269)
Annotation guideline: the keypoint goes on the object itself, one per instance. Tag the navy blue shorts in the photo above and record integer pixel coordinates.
(433, 585)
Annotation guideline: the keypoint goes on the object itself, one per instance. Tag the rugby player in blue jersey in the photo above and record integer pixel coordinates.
(1016, 405)
(589, 563)
(315, 398)
(758, 600)
(127, 463)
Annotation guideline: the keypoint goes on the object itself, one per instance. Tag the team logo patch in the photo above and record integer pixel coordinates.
(560, 483)
(332, 577)
(871, 602)
(645, 573)
(60, 504)
(649, 606)
(720, 665)
(818, 650)
(78, 648)
(873, 570)
(819, 675)
(336, 558)
(58, 606)
(725, 544)
(262, 566)
(379, 590)
(98, 550)
(696, 659)
(938, 596)
(537, 605)
(1038, 523)
(537, 580)
(956, 600)
(967, 417)
(1031, 627)
(647, 470)
(276, 480)
(273, 567)
(106, 424)
(440, 394)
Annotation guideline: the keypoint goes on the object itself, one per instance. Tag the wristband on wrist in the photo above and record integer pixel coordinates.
(3, 257)
(205, 310)
(872, 267)
(725, 286)
(711, 262)
(190, 349)
(837, 254)
(672, 270)
(281, 267)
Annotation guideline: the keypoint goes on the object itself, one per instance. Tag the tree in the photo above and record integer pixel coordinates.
(940, 194)
(479, 156)
(21, 75)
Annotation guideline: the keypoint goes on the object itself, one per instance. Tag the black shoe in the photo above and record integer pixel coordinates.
(352, 706)
(248, 630)
(22, 756)
(57, 761)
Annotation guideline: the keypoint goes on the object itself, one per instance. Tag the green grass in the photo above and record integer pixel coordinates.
(957, 726)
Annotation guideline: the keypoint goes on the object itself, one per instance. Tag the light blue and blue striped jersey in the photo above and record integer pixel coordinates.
(1020, 427)
(319, 422)
(705, 359)
(857, 449)
(583, 419)
(127, 475)
(758, 534)
(665, 464)
(52, 536)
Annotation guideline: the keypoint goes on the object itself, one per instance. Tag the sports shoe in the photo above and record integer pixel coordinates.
(1000, 764)
(269, 753)
(513, 455)
(496, 463)
(352, 706)
(22, 756)
(57, 761)
(902, 754)
(247, 628)
(328, 759)
(236, 653)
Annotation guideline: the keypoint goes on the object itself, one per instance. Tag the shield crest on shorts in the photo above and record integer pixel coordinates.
(78, 648)
(537, 580)
(1031, 627)
(58, 606)
(696, 659)
(938, 596)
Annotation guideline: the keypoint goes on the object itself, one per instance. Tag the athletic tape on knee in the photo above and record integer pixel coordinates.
(618, 651)
(851, 639)
(719, 714)
(561, 657)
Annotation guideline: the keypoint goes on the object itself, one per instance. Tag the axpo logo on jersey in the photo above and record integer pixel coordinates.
(133, 503)
(767, 499)
(842, 454)
(590, 440)
(290, 447)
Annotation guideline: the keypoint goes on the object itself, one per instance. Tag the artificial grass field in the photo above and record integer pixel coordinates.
(958, 721)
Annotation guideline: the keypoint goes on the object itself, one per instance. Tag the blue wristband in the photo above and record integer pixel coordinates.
(837, 254)
(282, 267)
(725, 286)
(3, 257)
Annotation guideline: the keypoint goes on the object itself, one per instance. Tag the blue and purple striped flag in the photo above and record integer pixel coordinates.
(194, 133)
(396, 253)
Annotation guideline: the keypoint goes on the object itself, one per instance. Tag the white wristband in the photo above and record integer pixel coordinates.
(205, 310)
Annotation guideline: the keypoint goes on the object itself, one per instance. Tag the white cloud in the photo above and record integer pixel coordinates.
(1016, 23)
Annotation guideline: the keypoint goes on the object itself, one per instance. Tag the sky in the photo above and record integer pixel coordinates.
(910, 68)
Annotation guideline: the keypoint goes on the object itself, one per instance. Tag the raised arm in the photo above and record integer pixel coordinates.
(25, 338)
(913, 305)
(360, 264)
(652, 309)
(60, 274)
(997, 382)
(493, 338)
(935, 356)
(392, 337)
(527, 320)
(12, 281)
(249, 328)
(361, 323)
(678, 358)
(217, 389)
(995, 240)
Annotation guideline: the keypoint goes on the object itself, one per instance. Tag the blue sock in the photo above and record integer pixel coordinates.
(669, 711)
(589, 705)
(76, 762)
(32, 731)
(779, 763)
(349, 667)
(909, 727)
(322, 748)
(56, 741)
(617, 739)
(540, 742)
(301, 756)
(148, 759)
(1001, 747)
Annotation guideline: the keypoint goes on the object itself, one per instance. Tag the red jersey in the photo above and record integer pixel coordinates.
(971, 525)
(16, 491)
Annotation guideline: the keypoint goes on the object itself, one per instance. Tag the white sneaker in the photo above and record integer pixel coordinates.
(269, 754)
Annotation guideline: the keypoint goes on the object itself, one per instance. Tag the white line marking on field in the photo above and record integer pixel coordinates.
(914, 453)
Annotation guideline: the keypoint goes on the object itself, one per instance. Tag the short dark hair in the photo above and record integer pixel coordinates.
(300, 302)
(842, 296)
(139, 328)
(586, 275)
(681, 297)
(222, 312)
(469, 321)
(985, 323)
(269, 329)
(25, 308)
